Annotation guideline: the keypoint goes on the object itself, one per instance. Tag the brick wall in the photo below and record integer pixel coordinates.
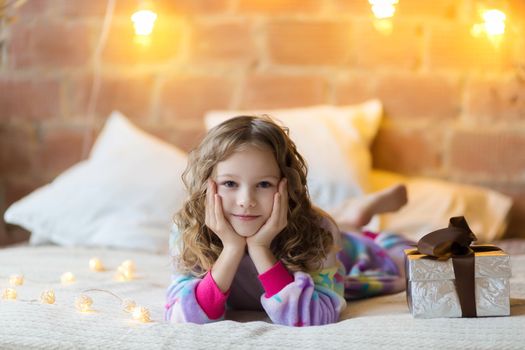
(455, 104)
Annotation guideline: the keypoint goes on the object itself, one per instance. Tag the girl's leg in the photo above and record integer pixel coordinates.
(359, 211)
(374, 263)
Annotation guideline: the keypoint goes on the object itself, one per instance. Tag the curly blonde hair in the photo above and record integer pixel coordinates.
(301, 246)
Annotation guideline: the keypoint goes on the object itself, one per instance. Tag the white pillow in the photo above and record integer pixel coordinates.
(124, 195)
(334, 141)
(432, 202)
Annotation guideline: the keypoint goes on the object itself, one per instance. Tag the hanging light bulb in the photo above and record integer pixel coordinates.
(494, 21)
(493, 25)
(383, 11)
(383, 8)
(143, 22)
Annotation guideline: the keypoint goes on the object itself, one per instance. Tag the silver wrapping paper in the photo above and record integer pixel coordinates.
(431, 291)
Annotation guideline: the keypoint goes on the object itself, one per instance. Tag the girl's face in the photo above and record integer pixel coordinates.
(247, 182)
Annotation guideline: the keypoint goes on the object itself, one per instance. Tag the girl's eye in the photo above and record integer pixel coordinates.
(228, 184)
(265, 184)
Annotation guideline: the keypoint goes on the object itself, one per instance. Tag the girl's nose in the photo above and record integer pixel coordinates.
(246, 199)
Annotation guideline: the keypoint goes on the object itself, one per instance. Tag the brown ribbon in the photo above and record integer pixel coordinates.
(454, 242)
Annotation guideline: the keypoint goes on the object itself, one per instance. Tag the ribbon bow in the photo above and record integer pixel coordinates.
(454, 241)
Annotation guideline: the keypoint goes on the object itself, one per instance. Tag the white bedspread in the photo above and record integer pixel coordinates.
(382, 322)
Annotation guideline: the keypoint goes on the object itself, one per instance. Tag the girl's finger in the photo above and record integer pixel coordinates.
(210, 203)
(282, 185)
(284, 198)
(276, 210)
(207, 201)
(219, 215)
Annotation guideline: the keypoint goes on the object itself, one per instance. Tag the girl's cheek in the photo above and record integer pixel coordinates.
(270, 198)
(221, 191)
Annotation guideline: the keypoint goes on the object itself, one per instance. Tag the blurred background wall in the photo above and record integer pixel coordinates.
(454, 101)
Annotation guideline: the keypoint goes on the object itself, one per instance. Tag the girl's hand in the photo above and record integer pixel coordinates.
(277, 220)
(216, 221)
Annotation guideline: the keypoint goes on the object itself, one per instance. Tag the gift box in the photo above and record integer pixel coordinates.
(449, 277)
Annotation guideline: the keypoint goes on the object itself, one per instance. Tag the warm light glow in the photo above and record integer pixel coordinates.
(67, 277)
(383, 8)
(83, 303)
(493, 26)
(128, 265)
(143, 22)
(126, 271)
(129, 305)
(123, 274)
(494, 22)
(384, 26)
(16, 280)
(141, 314)
(9, 294)
(96, 265)
(48, 297)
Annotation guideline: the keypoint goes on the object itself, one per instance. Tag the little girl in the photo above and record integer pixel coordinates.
(248, 236)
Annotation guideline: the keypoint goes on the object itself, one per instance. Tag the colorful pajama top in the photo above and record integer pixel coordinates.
(364, 268)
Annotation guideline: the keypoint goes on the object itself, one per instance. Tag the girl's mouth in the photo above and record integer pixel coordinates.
(246, 217)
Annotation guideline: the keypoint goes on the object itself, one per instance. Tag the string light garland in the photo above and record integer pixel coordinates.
(84, 303)
(16, 280)
(95, 264)
(129, 305)
(9, 294)
(139, 313)
(126, 271)
(47, 297)
(67, 278)
(128, 265)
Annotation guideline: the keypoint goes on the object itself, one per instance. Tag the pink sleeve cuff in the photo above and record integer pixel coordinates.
(275, 279)
(210, 298)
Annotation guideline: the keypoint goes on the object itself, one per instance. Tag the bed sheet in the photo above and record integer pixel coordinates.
(381, 322)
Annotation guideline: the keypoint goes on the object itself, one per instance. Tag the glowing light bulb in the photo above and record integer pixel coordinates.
(129, 265)
(384, 26)
(9, 294)
(96, 265)
(47, 297)
(126, 271)
(124, 274)
(141, 314)
(493, 26)
(83, 303)
(494, 22)
(16, 280)
(383, 8)
(129, 305)
(67, 278)
(143, 22)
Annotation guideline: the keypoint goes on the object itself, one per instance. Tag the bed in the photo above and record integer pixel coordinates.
(117, 206)
(381, 322)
